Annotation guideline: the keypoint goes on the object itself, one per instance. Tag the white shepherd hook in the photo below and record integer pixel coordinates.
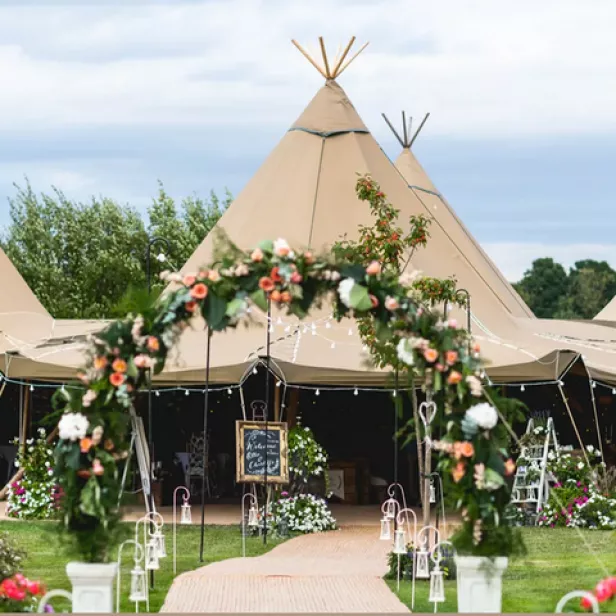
(582, 594)
(427, 412)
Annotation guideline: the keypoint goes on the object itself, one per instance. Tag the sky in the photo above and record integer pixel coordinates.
(107, 98)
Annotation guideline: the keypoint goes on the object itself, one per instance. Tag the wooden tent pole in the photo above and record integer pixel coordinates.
(277, 402)
(419, 129)
(25, 418)
(342, 57)
(324, 54)
(307, 56)
(351, 60)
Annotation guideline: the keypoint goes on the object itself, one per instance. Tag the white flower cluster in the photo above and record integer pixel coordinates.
(305, 513)
(307, 458)
(73, 426)
(484, 415)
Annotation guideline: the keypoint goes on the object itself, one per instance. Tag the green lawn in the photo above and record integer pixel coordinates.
(45, 560)
(558, 561)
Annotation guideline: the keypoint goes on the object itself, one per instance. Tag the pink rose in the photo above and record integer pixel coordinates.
(257, 255)
(373, 269)
(391, 303)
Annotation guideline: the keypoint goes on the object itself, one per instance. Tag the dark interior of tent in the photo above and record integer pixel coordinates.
(355, 428)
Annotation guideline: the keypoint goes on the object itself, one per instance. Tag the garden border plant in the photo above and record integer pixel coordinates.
(94, 427)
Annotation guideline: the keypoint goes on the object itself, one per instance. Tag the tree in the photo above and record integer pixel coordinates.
(543, 286)
(81, 259)
(592, 284)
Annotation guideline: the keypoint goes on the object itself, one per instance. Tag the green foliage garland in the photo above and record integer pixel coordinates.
(121, 358)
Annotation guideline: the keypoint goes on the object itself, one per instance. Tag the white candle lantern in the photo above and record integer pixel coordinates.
(185, 518)
(385, 529)
(253, 517)
(399, 542)
(159, 538)
(138, 589)
(437, 586)
(151, 555)
(185, 513)
(422, 566)
(390, 508)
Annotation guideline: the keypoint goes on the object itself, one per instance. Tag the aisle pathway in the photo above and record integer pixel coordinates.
(339, 571)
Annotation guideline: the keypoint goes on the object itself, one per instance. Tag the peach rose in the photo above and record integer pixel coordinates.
(467, 449)
(213, 276)
(374, 301)
(199, 291)
(119, 365)
(191, 306)
(275, 295)
(509, 467)
(451, 357)
(430, 355)
(153, 342)
(85, 444)
(275, 274)
(257, 255)
(458, 472)
(189, 280)
(309, 258)
(454, 377)
(100, 363)
(116, 379)
(267, 284)
(142, 361)
(97, 467)
(373, 269)
(296, 278)
(391, 303)
(285, 297)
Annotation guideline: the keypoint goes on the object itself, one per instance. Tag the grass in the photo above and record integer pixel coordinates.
(46, 561)
(558, 561)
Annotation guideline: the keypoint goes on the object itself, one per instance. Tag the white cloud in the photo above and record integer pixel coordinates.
(481, 67)
(513, 259)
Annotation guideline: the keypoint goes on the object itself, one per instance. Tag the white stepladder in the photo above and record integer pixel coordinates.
(531, 485)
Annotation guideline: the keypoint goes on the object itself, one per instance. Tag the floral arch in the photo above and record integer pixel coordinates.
(94, 427)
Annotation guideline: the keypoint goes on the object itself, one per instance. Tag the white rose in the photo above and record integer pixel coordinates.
(484, 415)
(281, 247)
(344, 291)
(405, 353)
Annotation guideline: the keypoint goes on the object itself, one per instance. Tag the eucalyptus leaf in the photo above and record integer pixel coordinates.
(360, 299)
(234, 306)
(267, 246)
(259, 299)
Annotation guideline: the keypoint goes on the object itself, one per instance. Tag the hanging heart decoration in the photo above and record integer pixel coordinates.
(427, 412)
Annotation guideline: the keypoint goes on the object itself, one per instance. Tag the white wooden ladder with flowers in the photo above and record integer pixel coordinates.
(531, 482)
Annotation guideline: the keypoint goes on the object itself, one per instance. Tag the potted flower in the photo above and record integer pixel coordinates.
(475, 466)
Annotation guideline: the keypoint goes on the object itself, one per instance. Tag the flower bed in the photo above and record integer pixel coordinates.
(33, 497)
(304, 513)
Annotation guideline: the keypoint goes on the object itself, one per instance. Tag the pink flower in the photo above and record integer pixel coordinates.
(391, 303)
(296, 278)
(256, 255)
(213, 276)
(454, 377)
(452, 323)
(373, 269)
(189, 280)
(142, 361)
(97, 467)
(281, 248)
(88, 398)
(431, 355)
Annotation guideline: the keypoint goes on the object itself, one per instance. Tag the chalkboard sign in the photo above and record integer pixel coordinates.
(259, 444)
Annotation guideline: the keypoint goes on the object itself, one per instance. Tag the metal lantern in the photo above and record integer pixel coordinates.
(253, 517)
(138, 590)
(432, 492)
(151, 555)
(159, 538)
(390, 509)
(399, 542)
(282, 528)
(422, 567)
(185, 514)
(385, 529)
(437, 586)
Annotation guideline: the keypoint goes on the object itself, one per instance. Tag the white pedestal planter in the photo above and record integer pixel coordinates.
(92, 586)
(480, 583)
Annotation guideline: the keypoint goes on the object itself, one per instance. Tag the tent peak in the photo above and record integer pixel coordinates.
(406, 140)
(331, 71)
